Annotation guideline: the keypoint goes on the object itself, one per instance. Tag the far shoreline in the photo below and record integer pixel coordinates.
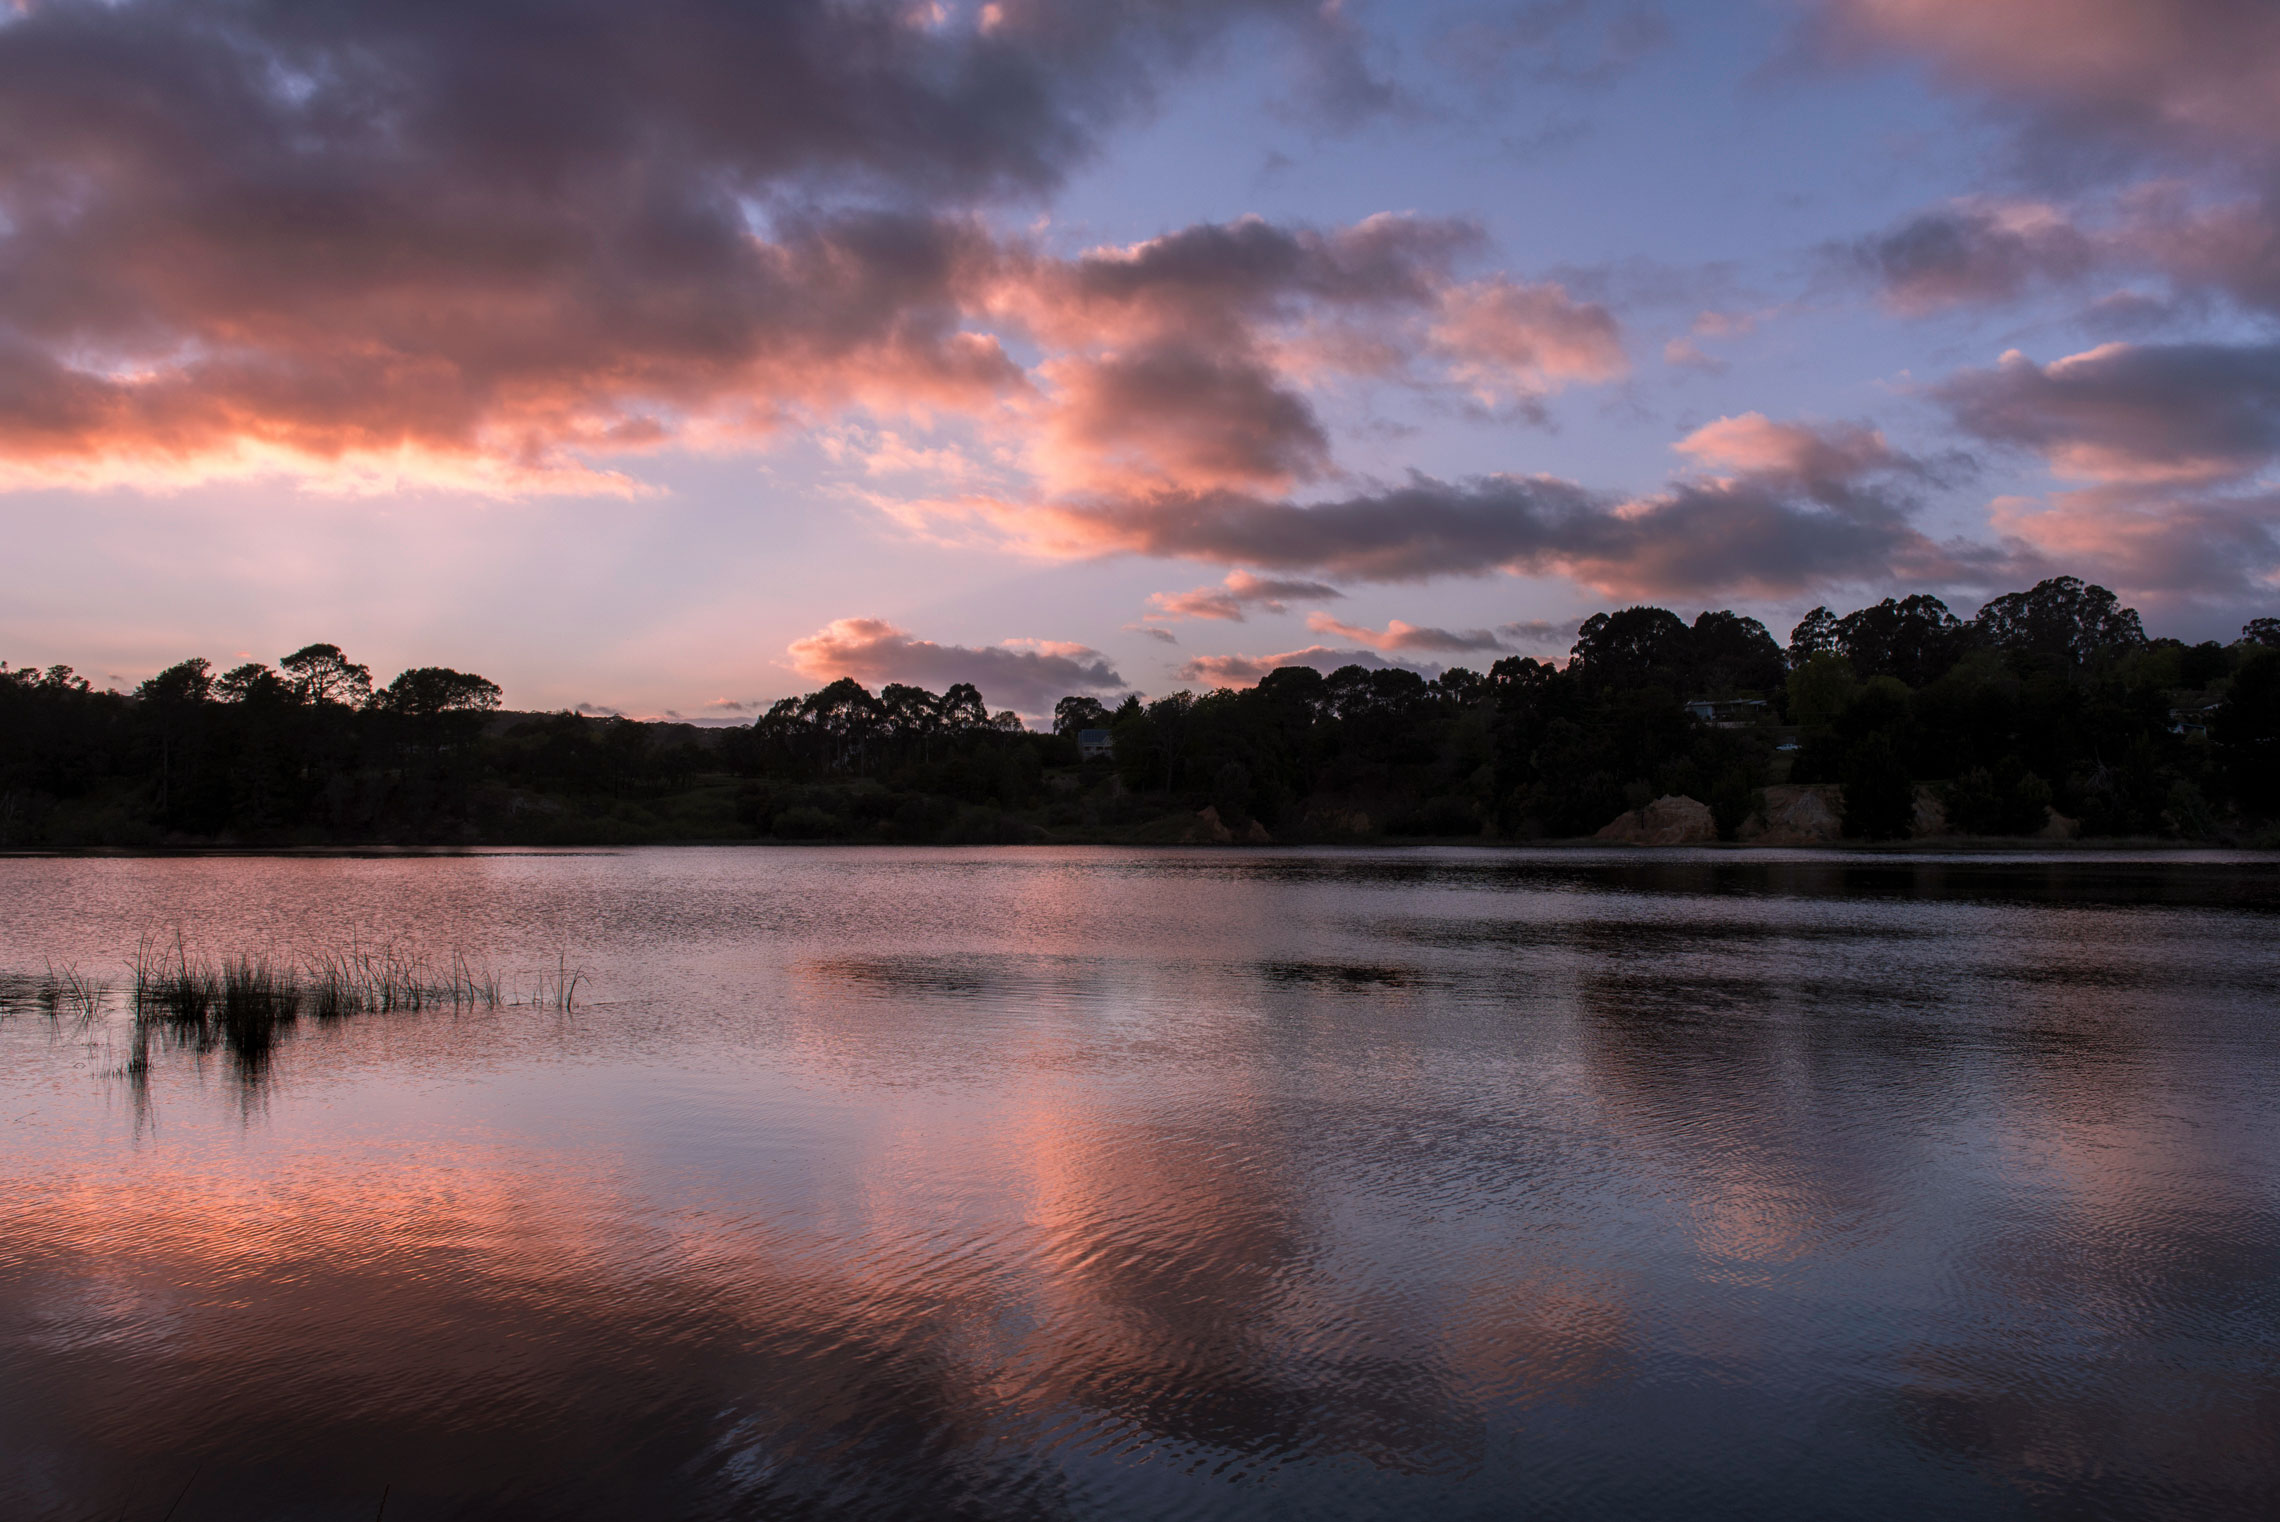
(1962, 847)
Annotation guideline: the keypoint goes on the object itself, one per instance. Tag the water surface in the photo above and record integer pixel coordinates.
(1101, 1184)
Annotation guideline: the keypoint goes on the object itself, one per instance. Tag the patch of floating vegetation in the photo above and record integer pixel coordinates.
(244, 1003)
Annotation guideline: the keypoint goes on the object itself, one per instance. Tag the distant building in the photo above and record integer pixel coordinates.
(1094, 745)
(2192, 721)
(1728, 713)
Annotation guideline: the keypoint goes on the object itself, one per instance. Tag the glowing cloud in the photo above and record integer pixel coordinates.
(1247, 670)
(1400, 636)
(1239, 591)
(1026, 675)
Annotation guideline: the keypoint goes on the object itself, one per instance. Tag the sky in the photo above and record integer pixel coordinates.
(670, 358)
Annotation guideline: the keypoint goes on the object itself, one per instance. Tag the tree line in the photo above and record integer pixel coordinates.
(2051, 700)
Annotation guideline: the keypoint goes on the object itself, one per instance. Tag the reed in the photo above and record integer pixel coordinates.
(243, 1004)
(60, 994)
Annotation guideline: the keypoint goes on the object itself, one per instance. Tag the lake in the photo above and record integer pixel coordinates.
(1013, 1183)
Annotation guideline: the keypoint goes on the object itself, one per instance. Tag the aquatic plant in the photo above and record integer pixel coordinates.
(58, 994)
(243, 1003)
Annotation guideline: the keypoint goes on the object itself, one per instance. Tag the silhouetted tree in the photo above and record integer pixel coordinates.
(321, 674)
(1076, 713)
(427, 691)
(1815, 634)
(2062, 621)
(1637, 647)
(252, 682)
(1730, 653)
(1915, 639)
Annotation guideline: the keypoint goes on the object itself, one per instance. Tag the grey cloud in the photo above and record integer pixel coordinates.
(1835, 513)
(1969, 254)
(365, 224)
(1196, 413)
(2136, 79)
(1244, 670)
(2190, 411)
(1029, 679)
(1398, 635)
(1250, 265)
(1238, 592)
(1538, 633)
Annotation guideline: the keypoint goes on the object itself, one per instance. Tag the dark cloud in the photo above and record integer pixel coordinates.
(2174, 439)
(1973, 252)
(2157, 120)
(1246, 670)
(1028, 676)
(2131, 412)
(1803, 506)
(1239, 592)
(1538, 633)
(1397, 635)
(500, 227)
(1192, 415)
(2088, 80)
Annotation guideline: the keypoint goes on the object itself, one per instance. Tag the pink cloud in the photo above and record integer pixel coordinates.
(2194, 72)
(1756, 444)
(1796, 505)
(1403, 636)
(2131, 413)
(1508, 340)
(1248, 670)
(1238, 592)
(1027, 675)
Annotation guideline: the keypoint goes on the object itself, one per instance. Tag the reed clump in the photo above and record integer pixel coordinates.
(243, 1004)
(60, 993)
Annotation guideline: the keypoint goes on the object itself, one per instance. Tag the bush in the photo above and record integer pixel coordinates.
(1437, 816)
(805, 823)
(1880, 800)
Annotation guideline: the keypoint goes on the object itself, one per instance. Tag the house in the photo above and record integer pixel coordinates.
(1728, 713)
(2190, 722)
(1094, 745)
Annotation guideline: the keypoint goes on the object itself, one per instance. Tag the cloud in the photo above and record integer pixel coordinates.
(397, 245)
(1178, 413)
(1974, 251)
(1821, 456)
(1029, 676)
(2158, 118)
(1239, 591)
(1802, 505)
(1400, 636)
(2175, 440)
(1509, 340)
(2177, 74)
(1155, 632)
(2188, 412)
(1246, 670)
(1538, 633)
(1183, 361)
(2167, 548)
